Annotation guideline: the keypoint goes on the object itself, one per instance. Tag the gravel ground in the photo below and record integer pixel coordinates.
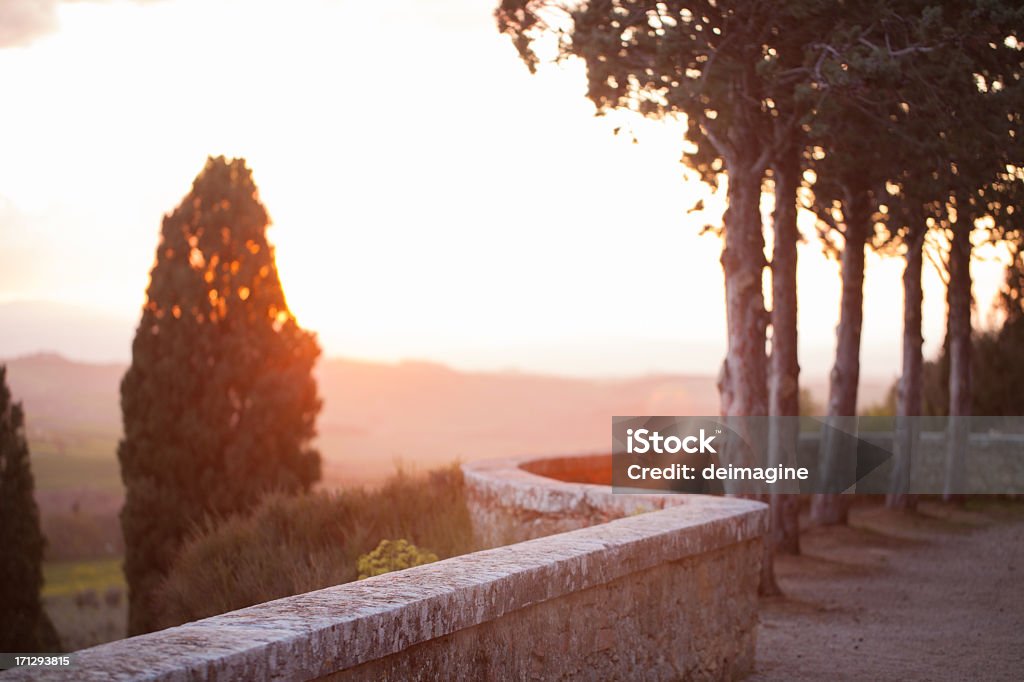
(933, 595)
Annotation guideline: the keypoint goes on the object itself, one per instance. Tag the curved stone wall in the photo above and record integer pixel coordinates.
(518, 499)
(666, 595)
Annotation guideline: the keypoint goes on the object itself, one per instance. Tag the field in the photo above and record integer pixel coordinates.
(86, 601)
(79, 492)
(73, 461)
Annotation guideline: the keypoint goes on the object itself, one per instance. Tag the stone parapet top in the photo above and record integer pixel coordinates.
(510, 483)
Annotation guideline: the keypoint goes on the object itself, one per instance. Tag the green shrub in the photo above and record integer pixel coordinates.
(392, 555)
(294, 544)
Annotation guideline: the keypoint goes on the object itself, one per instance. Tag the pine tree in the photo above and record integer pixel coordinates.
(24, 626)
(219, 403)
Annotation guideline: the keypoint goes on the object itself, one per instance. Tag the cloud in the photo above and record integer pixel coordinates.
(23, 21)
(19, 255)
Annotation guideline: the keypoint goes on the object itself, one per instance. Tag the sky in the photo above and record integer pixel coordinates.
(430, 198)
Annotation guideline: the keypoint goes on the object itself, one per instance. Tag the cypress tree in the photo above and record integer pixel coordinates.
(219, 403)
(24, 626)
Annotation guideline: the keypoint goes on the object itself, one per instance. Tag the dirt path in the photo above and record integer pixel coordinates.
(937, 595)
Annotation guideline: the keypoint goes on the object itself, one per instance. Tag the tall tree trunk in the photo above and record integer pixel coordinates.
(830, 508)
(908, 405)
(959, 300)
(743, 382)
(784, 382)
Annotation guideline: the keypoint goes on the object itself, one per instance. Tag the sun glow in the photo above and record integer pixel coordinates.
(430, 197)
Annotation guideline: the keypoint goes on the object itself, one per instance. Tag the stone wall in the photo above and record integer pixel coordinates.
(664, 595)
(673, 621)
(511, 500)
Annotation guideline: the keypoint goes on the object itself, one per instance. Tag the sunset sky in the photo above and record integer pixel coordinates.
(430, 198)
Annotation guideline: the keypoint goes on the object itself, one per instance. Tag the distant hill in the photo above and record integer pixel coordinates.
(64, 395)
(72, 331)
(422, 414)
(374, 414)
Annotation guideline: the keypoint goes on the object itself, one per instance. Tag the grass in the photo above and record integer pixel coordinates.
(291, 545)
(62, 578)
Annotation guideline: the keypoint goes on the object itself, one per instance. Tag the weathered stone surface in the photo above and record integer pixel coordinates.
(512, 500)
(664, 595)
(692, 619)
